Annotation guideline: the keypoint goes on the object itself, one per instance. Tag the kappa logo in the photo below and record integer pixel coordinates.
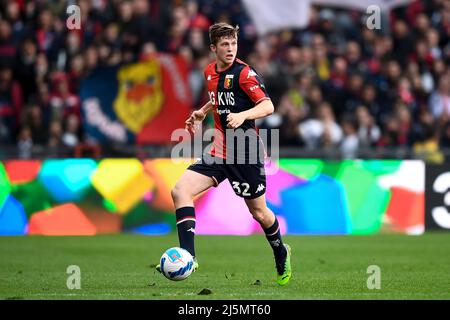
(260, 188)
(191, 230)
(251, 73)
(276, 243)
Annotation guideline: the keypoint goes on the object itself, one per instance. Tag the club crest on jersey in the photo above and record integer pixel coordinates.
(228, 83)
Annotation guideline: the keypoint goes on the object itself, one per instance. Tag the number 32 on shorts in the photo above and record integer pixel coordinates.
(237, 187)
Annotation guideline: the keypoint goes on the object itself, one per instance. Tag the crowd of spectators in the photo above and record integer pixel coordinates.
(335, 84)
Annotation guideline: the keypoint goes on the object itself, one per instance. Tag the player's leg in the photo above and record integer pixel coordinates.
(269, 223)
(190, 185)
(249, 181)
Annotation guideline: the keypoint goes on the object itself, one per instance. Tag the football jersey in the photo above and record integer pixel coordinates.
(233, 90)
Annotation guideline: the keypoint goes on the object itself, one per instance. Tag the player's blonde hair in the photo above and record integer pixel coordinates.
(222, 29)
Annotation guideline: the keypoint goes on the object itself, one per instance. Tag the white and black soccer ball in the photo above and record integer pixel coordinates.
(176, 264)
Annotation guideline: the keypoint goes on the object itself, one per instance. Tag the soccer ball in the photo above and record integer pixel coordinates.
(177, 264)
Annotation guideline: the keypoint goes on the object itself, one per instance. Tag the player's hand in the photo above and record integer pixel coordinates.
(192, 122)
(234, 120)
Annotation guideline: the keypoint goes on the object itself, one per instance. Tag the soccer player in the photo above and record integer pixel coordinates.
(237, 97)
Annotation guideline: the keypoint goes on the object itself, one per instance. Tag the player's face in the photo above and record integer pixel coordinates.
(225, 50)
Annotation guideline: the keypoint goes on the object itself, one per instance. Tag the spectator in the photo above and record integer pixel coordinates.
(440, 99)
(390, 134)
(62, 101)
(321, 131)
(71, 136)
(422, 55)
(46, 36)
(314, 97)
(353, 57)
(403, 114)
(368, 133)
(13, 17)
(111, 35)
(438, 69)
(287, 117)
(424, 128)
(426, 146)
(397, 129)
(292, 65)
(405, 93)
(10, 105)
(339, 73)
(350, 142)
(72, 48)
(422, 25)
(197, 20)
(41, 70)
(76, 72)
(91, 59)
(55, 135)
(25, 143)
(34, 121)
(403, 41)
(433, 43)
(369, 99)
(197, 41)
(7, 43)
(321, 62)
(178, 30)
(352, 93)
(24, 70)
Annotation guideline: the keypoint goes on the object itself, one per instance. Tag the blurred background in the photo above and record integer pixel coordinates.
(339, 88)
(104, 99)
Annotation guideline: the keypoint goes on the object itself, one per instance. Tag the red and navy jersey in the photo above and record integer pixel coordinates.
(233, 90)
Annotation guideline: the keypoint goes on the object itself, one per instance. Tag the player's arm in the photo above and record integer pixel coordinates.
(197, 116)
(200, 114)
(261, 110)
(251, 83)
(205, 109)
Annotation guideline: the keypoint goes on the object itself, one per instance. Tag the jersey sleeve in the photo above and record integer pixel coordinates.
(205, 72)
(252, 84)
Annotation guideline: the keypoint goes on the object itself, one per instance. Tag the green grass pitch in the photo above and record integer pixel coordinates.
(325, 267)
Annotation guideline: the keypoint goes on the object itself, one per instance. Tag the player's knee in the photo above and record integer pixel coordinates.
(262, 214)
(177, 193)
(259, 214)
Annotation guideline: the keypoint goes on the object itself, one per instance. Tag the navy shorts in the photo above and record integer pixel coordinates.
(248, 180)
